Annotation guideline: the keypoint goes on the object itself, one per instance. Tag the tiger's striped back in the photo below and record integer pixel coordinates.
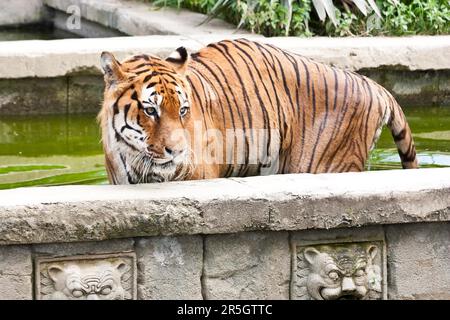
(328, 119)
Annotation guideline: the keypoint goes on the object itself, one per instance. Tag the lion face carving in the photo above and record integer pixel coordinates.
(342, 272)
(99, 280)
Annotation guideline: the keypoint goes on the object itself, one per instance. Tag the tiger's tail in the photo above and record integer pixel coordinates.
(402, 136)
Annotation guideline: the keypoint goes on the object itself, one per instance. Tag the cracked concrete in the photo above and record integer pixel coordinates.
(59, 58)
(17, 12)
(233, 238)
(250, 265)
(15, 273)
(279, 202)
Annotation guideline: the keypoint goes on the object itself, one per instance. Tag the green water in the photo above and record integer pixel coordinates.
(34, 32)
(431, 131)
(50, 150)
(59, 150)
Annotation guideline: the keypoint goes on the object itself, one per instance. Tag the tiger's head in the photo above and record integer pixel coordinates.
(146, 118)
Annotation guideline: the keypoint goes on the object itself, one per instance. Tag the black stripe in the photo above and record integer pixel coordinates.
(351, 123)
(142, 65)
(323, 124)
(130, 180)
(366, 125)
(308, 78)
(409, 155)
(400, 136)
(261, 103)
(232, 63)
(334, 131)
(127, 126)
(135, 98)
(345, 106)
(148, 77)
(141, 71)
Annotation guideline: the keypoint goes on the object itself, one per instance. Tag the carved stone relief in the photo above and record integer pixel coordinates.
(339, 271)
(87, 277)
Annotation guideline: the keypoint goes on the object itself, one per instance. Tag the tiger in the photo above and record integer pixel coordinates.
(240, 108)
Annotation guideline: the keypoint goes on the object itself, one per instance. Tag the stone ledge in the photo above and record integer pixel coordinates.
(138, 18)
(35, 58)
(63, 57)
(356, 53)
(280, 202)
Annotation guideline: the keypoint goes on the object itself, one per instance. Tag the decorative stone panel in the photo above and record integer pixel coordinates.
(342, 265)
(86, 277)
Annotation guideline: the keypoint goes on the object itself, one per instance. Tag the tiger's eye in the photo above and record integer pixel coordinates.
(184, 111)
(151, 111)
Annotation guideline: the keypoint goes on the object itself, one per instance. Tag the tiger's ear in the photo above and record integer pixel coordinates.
(112, 69)
(179, 59)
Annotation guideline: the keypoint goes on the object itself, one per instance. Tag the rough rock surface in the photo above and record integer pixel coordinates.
(419, 261)
(15, 273)
(278, 202)
(15, 12)
(138, 18)
(250, 265)
(170, 267)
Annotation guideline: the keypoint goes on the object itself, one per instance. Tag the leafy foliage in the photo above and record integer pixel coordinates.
(325, 17)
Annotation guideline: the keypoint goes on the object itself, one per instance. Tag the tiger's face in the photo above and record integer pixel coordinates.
(148, 116)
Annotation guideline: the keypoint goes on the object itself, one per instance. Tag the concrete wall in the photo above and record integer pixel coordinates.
(65, 74)
(59, 95)
(139, 18)
(414, 88)
(69, 69)
(247, 265)
(15, 12)
(83, 93)
(83, 28)
(233, 238)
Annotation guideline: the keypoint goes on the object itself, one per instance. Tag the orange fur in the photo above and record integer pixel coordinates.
(315, 118)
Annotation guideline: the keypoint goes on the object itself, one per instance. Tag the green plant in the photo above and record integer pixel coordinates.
(203, 6)
(397, 18)
(416, 17)
(264, 16)
(325, 17)
(301, 17)
(345, 24)
(326, 8)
